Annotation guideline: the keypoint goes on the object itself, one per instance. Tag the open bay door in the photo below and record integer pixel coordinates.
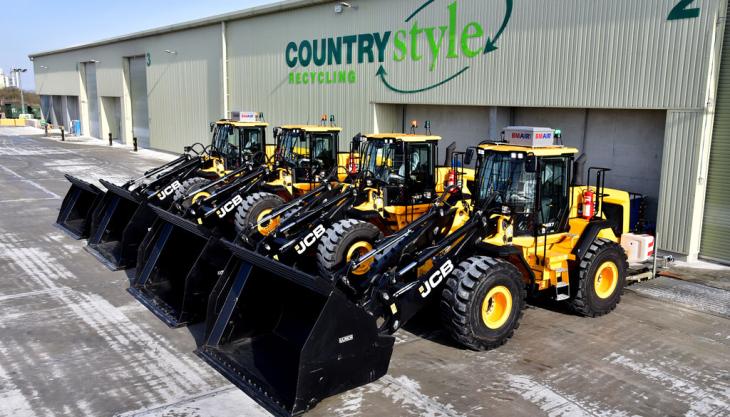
(716, 224)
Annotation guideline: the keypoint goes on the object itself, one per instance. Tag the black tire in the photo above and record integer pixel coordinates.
(464, 296)
(337, 241)
(586, 299)
(188, 186)
(253, 205)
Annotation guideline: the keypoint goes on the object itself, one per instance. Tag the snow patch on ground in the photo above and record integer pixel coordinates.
(554, 403)
(714, 401)
(172, 375)
(12, 400)
(708, 266)
(223, 401)
(406, 392)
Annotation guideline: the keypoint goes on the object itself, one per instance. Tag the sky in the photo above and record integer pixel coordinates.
(42, 25)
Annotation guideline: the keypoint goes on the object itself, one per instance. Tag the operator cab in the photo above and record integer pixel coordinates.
(527, 177)
(239, 141)
(402, 164)
(310, 151)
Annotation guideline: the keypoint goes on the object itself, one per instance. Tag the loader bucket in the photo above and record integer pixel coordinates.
(77, 207)
(118, 227)
(177, 269)
(289, 339)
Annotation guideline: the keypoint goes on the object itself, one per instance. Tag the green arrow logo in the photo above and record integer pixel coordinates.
(491, 42)
(490, 46)
(382, 73)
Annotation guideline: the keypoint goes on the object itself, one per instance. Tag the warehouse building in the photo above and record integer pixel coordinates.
(639, 87)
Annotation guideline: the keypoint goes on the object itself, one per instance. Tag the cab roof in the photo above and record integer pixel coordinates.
(403, 136)
(242, 124)
(313, 128)
(541, 151)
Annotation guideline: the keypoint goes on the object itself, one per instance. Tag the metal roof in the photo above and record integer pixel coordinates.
(277, 7)
(313, 128)
(242, 124)
(404, 137)
(544, 151)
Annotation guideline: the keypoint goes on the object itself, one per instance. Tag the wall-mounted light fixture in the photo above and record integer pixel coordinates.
(170, 51)
(341, 6)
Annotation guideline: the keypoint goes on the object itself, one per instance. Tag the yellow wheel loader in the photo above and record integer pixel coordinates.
(396, 181)
(124, 214)
(156, 185)
(182, 249)
(523, 230)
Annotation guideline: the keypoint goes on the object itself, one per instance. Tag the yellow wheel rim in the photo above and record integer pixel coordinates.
(200, 196)
(496, 307)
(268, 227)
(606, 279)
(360, 248)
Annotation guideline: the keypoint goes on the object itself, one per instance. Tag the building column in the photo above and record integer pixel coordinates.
(125, 102)
(83, 102)
(687, 139)
(224, 71)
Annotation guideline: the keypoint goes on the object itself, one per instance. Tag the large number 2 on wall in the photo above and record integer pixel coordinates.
(680, 11)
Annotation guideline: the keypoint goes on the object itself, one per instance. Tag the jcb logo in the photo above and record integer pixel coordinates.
(310, 239)
(436, 278)
(169, 190)
(229, 206)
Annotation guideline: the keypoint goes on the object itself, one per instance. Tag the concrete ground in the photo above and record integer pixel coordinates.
(74, 343)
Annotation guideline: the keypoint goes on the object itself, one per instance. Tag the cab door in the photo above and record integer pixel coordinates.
(420, 169)
(554, 194)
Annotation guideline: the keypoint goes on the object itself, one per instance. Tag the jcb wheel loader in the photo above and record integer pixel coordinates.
(83, 198)
(523, 231)
(397, 178)
(300, 154)
(124, 214)
(182, 251)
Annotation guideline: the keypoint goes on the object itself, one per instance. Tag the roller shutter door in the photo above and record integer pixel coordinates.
(92, 98)
(138, 93)
(716, 227)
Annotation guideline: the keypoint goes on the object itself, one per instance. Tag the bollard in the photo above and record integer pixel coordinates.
(110, 139)
(46, 127)
(63, 135)
(134, 143)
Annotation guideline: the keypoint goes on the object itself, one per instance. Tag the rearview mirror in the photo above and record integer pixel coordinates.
(468, 156)
(531, 163)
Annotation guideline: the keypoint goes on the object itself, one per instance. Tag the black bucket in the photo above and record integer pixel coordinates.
(289, 339)
(118, 227)
(177, 267)
(77, 208)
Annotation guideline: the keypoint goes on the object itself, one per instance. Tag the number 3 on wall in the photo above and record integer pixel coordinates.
(680, 11)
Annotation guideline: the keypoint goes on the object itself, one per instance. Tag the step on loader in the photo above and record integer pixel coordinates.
(125, 213)
(523, 231)
(181, 251)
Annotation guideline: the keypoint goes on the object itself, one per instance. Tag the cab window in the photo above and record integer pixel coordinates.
(323, 149)
(419, 170)
(553, 193)
(252, 140)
